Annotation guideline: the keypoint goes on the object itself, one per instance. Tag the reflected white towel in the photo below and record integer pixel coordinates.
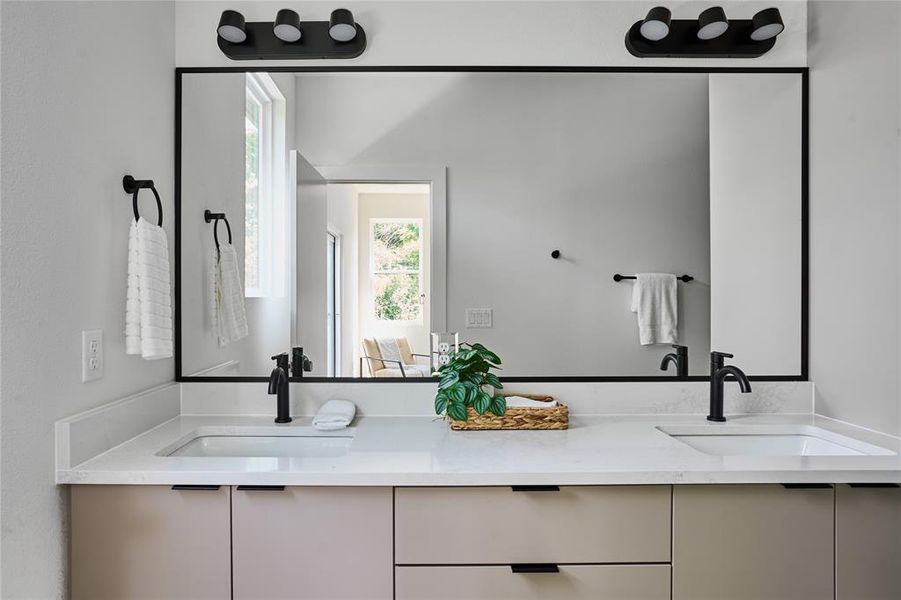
(229, 318)
(389, 349)
(335, 414)
(654, 300)
(522, 402)
(148, 305)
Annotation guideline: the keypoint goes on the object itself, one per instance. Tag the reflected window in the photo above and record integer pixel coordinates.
(396, 257)
(264, 185)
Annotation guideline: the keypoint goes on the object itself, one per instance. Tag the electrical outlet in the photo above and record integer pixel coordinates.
(479, 318)
(91, 355)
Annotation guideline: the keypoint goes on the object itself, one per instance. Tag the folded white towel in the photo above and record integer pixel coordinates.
(522, 402)
(334, 414)
(148, 305)
(229, 318)
(654, 300)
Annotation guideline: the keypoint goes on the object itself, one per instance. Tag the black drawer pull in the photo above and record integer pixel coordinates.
(198, 488)
(875, 485)
(534, 568)
(807, 486)
(261, 488)
(535, 488)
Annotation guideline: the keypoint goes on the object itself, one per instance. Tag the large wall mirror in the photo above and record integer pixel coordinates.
(354, 213)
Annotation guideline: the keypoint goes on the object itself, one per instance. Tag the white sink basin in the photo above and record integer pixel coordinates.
(760, 440)
(260, 442)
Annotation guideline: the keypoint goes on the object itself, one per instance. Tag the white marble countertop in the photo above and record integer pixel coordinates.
(421, 451)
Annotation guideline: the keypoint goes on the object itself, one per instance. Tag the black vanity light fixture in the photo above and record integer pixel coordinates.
(712, 35)
(287, 26)
(289, 38)
(712, 23)
(231, 27)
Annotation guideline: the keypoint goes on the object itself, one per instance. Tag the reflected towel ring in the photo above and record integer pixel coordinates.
(210, 216)
(134, 186)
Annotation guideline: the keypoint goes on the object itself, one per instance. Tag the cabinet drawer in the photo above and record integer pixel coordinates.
(595, 582)
(497, 525)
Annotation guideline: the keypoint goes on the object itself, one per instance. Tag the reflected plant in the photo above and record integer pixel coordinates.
(463, 381)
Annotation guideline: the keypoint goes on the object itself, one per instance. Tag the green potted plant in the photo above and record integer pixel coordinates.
(467, 381)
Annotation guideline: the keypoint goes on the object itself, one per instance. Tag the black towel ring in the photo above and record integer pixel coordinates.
(210, 216)
(134, 186)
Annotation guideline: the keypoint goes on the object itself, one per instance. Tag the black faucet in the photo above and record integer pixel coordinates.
(278, 385)
(300, 362)
(718, 373)
(678, 358)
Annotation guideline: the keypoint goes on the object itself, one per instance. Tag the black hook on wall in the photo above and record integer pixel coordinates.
(555, 254)
(211, 217)
(133, 186)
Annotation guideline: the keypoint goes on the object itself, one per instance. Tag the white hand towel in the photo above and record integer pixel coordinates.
(148, 305)
(334, 414)
(654, 300)
(229, 315)
(522, 402)
(389, 349)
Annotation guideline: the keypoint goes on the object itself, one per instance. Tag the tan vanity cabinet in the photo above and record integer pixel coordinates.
(312, 542)
(867, 542)
(529, 524)
(747, 542)
(150, 542)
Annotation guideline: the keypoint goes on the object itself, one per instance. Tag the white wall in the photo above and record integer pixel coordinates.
(490, 32)
(342, 221)
(537, 162)
(311, 265)
(755, 220)
(81, 107)
(855, 118)
(213, 177)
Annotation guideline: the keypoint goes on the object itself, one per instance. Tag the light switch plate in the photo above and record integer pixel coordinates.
(91, 355)
(479, 318)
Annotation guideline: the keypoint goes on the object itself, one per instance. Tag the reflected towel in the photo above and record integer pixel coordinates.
(389, 349)
(148, 304)
(229, 317)
(654, 300)
(335, 414)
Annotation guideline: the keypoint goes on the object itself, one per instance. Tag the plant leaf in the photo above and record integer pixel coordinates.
(492, 380)
(482, 402)
(457, 411)
(457, 394)
(498, 405)
(448, 380)
(440, 404)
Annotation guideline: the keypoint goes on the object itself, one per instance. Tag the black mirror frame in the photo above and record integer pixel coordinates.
(805, 209)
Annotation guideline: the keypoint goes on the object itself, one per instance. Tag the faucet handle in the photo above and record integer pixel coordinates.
(281, 360)
(717, 360)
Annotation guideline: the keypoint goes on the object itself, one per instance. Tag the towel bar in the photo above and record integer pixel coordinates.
(133, 186)
(618, 277)
(210, 216)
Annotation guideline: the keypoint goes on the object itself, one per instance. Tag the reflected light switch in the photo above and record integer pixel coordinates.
(479, 318)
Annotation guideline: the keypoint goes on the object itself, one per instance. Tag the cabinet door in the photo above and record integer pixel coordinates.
(867, 543)
(320, 543)
(571, 582)
(748, 542)
(134, 541)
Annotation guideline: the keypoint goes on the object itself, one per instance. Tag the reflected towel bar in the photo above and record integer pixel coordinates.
(211, 217)
(618, 277)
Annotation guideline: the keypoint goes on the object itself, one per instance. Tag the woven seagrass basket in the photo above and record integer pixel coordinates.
(556, 417)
